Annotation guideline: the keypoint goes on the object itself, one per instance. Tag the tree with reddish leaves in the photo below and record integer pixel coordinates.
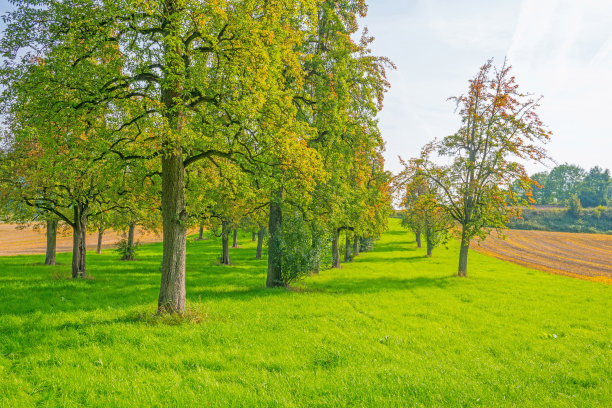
(500, 130)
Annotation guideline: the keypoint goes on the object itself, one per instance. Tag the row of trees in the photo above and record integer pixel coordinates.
(567, 181)
(218, 114)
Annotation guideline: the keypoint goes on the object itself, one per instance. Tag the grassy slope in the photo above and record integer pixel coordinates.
(391, 329)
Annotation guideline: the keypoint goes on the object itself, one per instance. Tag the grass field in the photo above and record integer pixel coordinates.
(391, 329)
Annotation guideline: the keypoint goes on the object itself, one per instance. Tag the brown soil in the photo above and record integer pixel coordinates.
(16, 240)
(584, 256)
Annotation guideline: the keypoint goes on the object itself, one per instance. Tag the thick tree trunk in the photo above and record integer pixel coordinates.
(225, 232)
(129, 253)
(254, 238)
(51, 242)
(172, 289)
(201, 233)
(260, 239)
(79, 231)
(235, 243)
(428, 238)
(275, 246)
(336, 249)
(418, 238)
(347, 249)
(100, 236)
(463, 254)
(355, 246)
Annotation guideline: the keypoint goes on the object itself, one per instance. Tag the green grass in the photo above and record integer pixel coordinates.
(391, 329)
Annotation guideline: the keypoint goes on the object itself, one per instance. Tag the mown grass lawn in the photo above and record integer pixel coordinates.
(391, 329)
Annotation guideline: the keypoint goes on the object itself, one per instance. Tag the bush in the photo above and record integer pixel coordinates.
(127, 251)
(366, 244)
(303, 247)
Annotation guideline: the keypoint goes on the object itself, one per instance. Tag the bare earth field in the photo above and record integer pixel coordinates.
(584, 256)
(28, 241)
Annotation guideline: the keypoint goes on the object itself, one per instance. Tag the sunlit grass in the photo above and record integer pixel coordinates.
(394, 328)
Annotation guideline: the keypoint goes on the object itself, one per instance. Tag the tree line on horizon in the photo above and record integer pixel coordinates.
(567, 182)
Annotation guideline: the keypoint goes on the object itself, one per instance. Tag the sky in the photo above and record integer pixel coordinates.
(560, 49)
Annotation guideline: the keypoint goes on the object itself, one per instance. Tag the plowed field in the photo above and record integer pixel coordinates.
(14, 241)
(585, 256)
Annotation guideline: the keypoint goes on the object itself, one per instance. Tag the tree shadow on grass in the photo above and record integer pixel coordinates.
(383, 284)
(118, 284)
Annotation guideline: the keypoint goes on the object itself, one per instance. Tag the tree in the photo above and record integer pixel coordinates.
(563, 182)
(593, 191)
(499, 126)
(539, 190)
(422, 209)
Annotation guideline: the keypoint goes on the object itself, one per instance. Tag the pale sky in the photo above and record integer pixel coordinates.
(561, 49)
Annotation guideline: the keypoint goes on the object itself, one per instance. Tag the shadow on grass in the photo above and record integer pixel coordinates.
(30, 287)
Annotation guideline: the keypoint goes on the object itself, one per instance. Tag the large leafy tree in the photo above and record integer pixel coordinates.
(500, 130)
(562, 183)
(594, 188)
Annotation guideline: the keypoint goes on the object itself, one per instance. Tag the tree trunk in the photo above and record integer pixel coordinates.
(316, 269)
(418, 238)
(336, 249)
(355, 246)
(129, 252)
(463, 254)
(174, 216)
(275, 246)
(254, 238)
(347, 249)
(201, 233)
(225, 232)
(260, 239)
(100, 236)
(51, 242)
(79, 231)
(429, 239)
(235, 243)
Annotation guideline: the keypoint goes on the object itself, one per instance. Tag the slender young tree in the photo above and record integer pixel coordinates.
(500, 130)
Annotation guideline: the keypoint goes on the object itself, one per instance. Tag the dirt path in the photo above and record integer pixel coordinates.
(584, 256)
(28, 241)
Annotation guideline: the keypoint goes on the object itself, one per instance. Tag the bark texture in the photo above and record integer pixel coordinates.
(51, 242)
(275, 247)
(235, 242)
(336, 249)
(254, 237)
(418, 239)
(201, 233)
(174, 215)
(100, 236)
(463, 254)
(79, 231)
(355, 246)
(428, 238)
